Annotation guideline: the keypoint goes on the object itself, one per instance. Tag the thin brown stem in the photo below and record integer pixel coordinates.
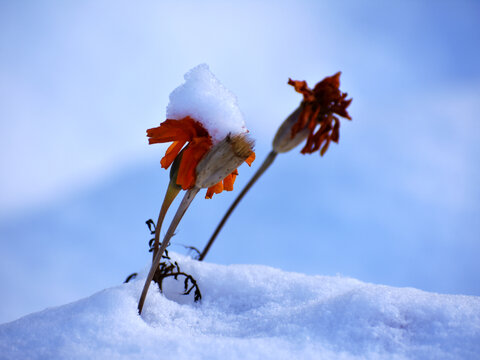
(170, 195)
(186, 201)
(266, 163)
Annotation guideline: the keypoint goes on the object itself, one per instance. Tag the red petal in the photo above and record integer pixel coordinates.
(215, 189)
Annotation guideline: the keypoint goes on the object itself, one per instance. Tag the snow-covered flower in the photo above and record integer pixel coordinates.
(202, 113)
(209, 141)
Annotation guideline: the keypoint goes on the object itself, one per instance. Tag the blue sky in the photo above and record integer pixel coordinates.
(396, 202)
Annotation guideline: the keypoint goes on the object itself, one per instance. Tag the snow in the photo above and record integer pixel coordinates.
(206, 100)
(252, 312)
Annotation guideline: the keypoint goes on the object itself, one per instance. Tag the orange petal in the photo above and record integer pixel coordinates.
(193, 153)
(176, 130)
(171, 153)
(249, 160)
(167, 132)
(209, 193)
(217, 189)
(180, 132)
(228, 182)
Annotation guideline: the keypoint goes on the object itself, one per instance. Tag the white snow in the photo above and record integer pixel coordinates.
(206, 100)
(252, 312)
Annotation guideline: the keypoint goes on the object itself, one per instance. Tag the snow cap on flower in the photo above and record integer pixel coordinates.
(201, 115)
(203, 98)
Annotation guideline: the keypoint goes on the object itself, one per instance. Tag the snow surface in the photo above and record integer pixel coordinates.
(206, 100)
(252, 312)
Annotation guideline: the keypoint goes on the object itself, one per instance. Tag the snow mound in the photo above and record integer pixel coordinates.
(252, 312)
(206, 100)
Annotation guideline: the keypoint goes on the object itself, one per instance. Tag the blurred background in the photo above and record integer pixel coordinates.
(395, 203)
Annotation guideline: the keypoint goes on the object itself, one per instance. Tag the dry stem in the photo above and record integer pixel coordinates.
(266, 163)
(170, 195)
(186, 201)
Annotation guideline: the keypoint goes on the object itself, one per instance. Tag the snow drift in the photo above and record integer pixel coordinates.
(252, 312)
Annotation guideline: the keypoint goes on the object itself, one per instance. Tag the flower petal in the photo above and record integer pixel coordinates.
(302, 88)
(215, 189)
(250, 159)
(228, 182)
(193, 153)
(171, 153)
(176, 130)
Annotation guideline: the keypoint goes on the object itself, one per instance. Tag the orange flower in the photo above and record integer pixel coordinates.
(319, 106)
(181, 132)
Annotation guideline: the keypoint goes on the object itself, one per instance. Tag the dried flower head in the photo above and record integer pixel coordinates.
(198, 141)
(320, 107)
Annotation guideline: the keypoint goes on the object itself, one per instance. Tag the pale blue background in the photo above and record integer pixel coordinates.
(396, 202)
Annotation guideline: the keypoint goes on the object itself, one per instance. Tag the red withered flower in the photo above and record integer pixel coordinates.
(318, 110)
(199, 142)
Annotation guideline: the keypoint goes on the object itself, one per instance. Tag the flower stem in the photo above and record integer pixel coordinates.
(186, 201)
(170, 195)
(266, 163)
